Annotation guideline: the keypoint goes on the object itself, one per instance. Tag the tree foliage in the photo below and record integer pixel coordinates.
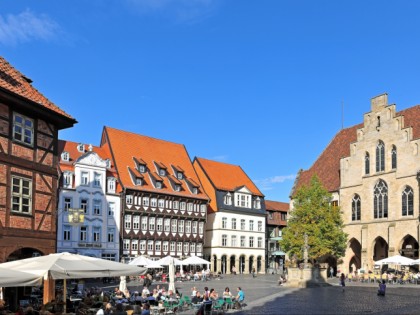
(314, 215)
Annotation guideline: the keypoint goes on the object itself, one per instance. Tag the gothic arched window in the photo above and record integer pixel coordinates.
(380, 157)
(367, 164)
(407, 201)
(380, 200)
(394, 157)
(355, 208)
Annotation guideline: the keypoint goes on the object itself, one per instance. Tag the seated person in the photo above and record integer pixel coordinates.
(197, 298)
(206, 306)
(239, 298)
(213, 295)
(227, 293)
(382, 288)
(146, 309)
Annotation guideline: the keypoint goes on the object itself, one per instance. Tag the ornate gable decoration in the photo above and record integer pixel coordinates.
(243, 190)
(91, 159)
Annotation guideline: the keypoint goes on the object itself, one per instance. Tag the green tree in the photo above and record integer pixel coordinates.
(314, 216)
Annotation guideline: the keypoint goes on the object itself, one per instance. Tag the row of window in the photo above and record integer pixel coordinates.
(380, 202)
(144, 223)
(84, 204)
(233, 241)
(85, 236)
(380, 158)
(283, 215)
(84, 181)
(243, 224)
(242, 200)
(165, 246)
(168, 204)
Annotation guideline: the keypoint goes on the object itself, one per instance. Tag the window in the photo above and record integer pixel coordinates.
(108, 163)
(251, 225)
(110, 237)
(201, 228)
(224, 240)
(111, 184)
(179, 247)
(270, 215)
(136, 222)
(242, 224)
(367, 164)
(158, 246)
(260, 226)
(242, 200)
(159, 185)
(190, 207)
(126, 244)
(110, 257)
(162, 172)
(242, 241)
(228, 199)
(165, 246)
(233, 224)
(179, 175)
(67, 233)
(145, 201)
(174, 225)
(380, 201)
(97, 180)
(84, 205)
(134, 245)
(161, 203)
(150, 246)
(181, 226)
(186, 247)
(172, 244)
(251, 241)
(97, 205)
(142, 168)
(283, 216)
(199, 247)
(177, 187)
(83, 233)
(67, 179)
(355, 208)
(65, 156)
(233, 241)
(192, 248)
(167, 225)
(129, 199)
(111, 209)
(139, 181)
(188, 227)
(407, 201)
(96, 234)
(21, 195)
(224, 223)
(257, 203)
(159, 224)
(81, 147)
(194, 227)
(175, 205)
(153, 202)
(152, 224)
(144, 223)
(23, 129)
(260, 242)
(127, 222)
(195, 190)
(143, 245)
(67, 203)
(380, 157)
(394, 157)
(84, 177)
(183, 204)
(203, 208)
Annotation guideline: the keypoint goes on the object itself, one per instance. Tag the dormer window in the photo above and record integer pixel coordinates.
(108, 163)
(177, 187)
(81, 147)
(195, 191)
(180, 175)
(142, 168)
(228, 199)
(162, 172)
(158, 184)
(68, 179)
(65, 156)
(139, 181)
(111, 184)
(257, 203)
(242, 200)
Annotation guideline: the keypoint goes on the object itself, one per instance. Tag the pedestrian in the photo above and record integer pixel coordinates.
(253, 273)
(331, 272)
(343, 281)
(382, 288)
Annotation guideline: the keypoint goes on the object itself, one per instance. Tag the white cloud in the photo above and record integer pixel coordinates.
(220, 158)
(25, 27)
(268, 183)
(181, 10)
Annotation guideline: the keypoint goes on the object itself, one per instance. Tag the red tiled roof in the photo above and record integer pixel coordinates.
(227, 177)
(126, 145)
(15, 82)
(327, 166)
(276, 206)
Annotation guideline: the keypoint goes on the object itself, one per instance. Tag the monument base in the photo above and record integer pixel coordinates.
(307, 277)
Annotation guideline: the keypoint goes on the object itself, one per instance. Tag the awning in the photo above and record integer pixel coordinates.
(278, 253)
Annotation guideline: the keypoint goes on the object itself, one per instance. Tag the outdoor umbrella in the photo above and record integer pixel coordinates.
(415, 262)
(396, 260)
(153, 264)
(171, 274)
(165, 261)
(14, 278)
(140, 261)
(195, 260)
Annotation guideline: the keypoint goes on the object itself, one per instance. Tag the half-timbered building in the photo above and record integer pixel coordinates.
(164, 207)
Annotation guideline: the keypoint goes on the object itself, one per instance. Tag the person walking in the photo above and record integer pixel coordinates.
(343, 281)
(331, 272)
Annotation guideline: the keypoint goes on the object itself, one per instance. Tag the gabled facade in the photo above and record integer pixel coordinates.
(164, 207)
(29, 125)
(88, 181)
(276, 221)
(235, 229)
(373, 171)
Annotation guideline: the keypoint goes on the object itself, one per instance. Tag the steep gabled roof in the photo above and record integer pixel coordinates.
(277, 206)
(154, 152)
(227, 177)
(15, 82)
(327, 166)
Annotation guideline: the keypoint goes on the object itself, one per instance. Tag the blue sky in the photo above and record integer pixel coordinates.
(260, 84)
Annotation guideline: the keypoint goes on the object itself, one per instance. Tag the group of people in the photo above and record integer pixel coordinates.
(210, 296)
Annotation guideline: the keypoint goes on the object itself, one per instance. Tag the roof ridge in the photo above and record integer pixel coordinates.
(141, 135)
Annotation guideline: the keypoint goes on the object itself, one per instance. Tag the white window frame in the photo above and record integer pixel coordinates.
(167, 225)
(224, 223)
(126, 244)
(203, 208)
(179, 247)
(136, 222)
(152, 223)
(67, 202)
(260, 242)
(190, 207)
(129, 199)
(84, 204)
(21, 195)
(23, 130)
(201, 228)
(145, 201)
(251, 241)
(251, 225)
(165, 246)
(233, 241)
(175, 205)
(181, 226)
(224, 240)
(182, 205)
(194, 227)
(188, 227)
(97, 179)
(161, 203)
(111, 235)
(96, 234)
(84, 178)
(174, 225)
(66, 233)
(111, 185)
(142, 245)
(97, 206)
(127, 222)
(172, 246)
(260, 226)
(159, 224)
(68, 179)
(111, 209)
(144, 223)
(153, 202)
